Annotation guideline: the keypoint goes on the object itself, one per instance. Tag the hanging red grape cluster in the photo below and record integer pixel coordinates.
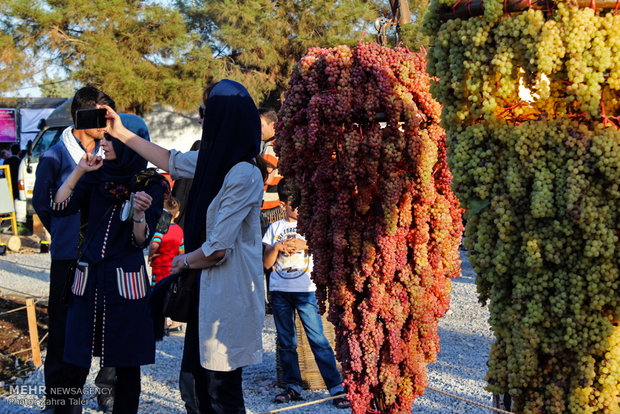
(361, 146)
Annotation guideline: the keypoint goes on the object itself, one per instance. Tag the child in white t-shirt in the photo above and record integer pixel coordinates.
(292, 289)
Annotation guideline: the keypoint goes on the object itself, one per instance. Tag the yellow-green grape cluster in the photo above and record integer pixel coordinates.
(568, 60)
(546, 249)
(539, 175)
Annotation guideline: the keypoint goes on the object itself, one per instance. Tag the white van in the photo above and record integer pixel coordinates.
(50, 133)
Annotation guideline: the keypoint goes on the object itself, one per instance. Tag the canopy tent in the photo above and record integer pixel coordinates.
(28, 113)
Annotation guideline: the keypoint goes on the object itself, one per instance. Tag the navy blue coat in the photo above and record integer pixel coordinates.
(54, 167)
(111, 283)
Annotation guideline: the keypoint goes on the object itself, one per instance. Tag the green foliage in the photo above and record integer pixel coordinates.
(259, 41)
(411, 34)
(15, 64)
(137, 52)
(57, 87)
(146, 51)
(12, 64)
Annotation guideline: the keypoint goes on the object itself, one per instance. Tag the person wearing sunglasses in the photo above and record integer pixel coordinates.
(222, 240)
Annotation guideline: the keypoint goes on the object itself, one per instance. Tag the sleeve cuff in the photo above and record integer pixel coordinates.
(208, 248)
(59, 206)
(172, 165)
(182, 165)
(147, 238)
(157, 237)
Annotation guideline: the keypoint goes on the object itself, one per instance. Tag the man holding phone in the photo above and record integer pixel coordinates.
(54, 167)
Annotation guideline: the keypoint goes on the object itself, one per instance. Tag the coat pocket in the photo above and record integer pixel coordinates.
(79, 281)
(131, 285)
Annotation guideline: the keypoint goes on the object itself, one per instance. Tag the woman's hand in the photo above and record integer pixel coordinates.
(178, 264)
(149, 151)
(115, 126)
(195, 260)
(141, 202)
(89, 162)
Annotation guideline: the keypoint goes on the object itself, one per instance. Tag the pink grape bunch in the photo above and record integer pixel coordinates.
(361, 146)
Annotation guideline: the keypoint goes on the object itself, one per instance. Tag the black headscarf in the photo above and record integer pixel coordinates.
(230, 134)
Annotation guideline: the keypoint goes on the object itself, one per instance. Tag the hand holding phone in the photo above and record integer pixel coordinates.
(115, 126)
(90, 118)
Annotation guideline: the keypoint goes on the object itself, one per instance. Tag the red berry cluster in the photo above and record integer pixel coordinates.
(361, 146)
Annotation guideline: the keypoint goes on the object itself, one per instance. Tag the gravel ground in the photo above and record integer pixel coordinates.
(460, 367)
(24, 274)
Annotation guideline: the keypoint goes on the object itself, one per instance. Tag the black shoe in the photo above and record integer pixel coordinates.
(342, 402)
(287, 396)
(105, 404)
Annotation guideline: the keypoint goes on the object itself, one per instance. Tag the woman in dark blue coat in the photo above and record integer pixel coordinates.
(108, 312)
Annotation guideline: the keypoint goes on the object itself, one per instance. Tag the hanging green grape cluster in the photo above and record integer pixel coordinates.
(530, 111)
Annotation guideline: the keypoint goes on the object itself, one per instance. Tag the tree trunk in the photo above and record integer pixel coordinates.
(400, 11)
(13, 243)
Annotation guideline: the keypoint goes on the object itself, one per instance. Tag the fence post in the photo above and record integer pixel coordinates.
(34, 332)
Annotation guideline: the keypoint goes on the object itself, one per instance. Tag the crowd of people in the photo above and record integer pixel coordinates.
(230, 219)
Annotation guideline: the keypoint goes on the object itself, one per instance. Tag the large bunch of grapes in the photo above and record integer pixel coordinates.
(360, 142)
(539, 177)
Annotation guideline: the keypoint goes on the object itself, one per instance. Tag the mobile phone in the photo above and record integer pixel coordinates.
(127, 208)
(163, 224)
(90, 118)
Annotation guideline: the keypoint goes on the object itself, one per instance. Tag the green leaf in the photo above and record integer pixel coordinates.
(478, 205)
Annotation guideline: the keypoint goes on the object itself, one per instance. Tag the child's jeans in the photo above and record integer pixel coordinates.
(283, 305)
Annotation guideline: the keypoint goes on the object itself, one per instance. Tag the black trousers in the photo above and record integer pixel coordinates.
(126, 392)
(60, 376)
(106, 384)
(57, 373)
(219, 392)
(187, 383)
(205, 391)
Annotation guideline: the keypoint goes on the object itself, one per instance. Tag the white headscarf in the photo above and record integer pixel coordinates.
(73, 145)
